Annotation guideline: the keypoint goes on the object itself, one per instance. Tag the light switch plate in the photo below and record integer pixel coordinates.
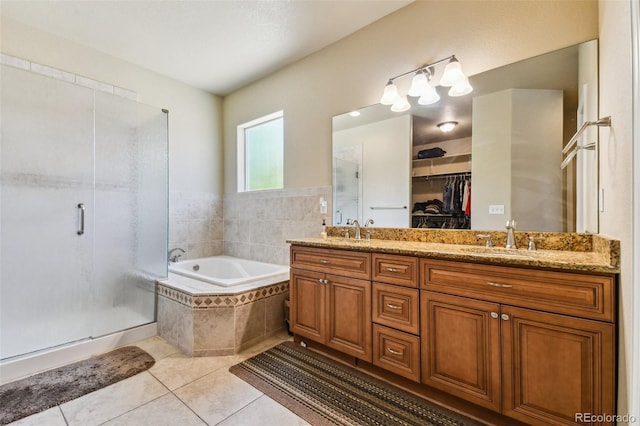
(496, 209)
(323, 206)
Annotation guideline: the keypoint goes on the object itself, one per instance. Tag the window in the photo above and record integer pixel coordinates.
(261, 153)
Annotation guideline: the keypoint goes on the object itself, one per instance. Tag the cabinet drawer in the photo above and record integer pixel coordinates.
(338, 262)
(397, 352)
(582, 295)
(400, 270)
(396, 307)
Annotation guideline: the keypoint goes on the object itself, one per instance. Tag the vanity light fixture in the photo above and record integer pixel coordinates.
(447, 126)
(421, 86)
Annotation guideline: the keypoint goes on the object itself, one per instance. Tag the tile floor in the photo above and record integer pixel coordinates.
(176, 391)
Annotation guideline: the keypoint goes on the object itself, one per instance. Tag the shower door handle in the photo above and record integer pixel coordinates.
(81, 209)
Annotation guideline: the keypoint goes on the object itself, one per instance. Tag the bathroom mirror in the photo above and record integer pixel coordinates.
(506, 146)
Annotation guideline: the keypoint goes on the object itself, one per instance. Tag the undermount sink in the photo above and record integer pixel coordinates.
(501, 251)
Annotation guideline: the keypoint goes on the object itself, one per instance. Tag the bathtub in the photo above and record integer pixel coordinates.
(220, 305)
(228, 271)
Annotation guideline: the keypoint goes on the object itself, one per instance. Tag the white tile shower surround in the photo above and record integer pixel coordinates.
(257, 224)
(177, 390)
(67, 76)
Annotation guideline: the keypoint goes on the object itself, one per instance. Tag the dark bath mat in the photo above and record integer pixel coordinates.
(45, 390)
(325, 392)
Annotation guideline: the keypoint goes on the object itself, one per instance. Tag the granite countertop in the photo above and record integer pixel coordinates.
(598, 261)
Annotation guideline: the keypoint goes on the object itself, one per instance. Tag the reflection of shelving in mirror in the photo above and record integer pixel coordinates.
(456, 163)
(456, 158)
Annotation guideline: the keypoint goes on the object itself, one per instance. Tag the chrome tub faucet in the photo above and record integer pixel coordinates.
(173, 258)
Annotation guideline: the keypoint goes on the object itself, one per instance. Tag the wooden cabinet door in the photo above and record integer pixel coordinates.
(555, 366)
(461, 347)
(308, 304)
(349, 316)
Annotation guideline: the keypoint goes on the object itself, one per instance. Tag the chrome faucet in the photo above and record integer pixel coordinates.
(174, 257)
(368, 233)
(488, 242)
(357, 225)
(511, 239)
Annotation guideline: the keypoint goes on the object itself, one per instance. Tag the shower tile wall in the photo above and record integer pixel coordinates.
(257, 224)
(195, 223)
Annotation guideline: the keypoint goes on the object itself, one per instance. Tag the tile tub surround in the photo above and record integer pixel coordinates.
(574, 252)
(195, 223)
(220, 322)
(257, 224)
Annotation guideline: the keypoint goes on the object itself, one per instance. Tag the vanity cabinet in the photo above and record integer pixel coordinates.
(396, 315)
(537, 346)
(330, 294)
(534, 345)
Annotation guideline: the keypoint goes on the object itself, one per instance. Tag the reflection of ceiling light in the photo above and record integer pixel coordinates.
(447, 126)
(354, 113)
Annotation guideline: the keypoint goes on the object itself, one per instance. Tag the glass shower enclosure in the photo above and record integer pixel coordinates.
(83, 213)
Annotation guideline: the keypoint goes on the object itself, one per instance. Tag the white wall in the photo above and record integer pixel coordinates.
(616, 147)
(491, 165)
(386, 153)
(351, 73)
(195, 116)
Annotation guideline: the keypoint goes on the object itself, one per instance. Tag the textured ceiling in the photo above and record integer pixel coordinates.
(218, 46)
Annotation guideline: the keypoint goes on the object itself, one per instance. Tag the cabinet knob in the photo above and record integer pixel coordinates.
(393, 270)
(494, 315)
(504, 317)
(325, 261)
(321, 281)
(390, 306)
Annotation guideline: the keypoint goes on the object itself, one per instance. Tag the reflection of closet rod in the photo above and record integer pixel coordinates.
(444, 176)
(388, 208)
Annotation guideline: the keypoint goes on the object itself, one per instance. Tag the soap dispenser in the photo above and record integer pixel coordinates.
(323, 234)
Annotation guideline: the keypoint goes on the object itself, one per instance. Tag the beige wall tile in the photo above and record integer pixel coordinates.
(175, 324)
(213, 329)
(250, 322)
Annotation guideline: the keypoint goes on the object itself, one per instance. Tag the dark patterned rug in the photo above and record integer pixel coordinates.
(45, 390)
(325, 392)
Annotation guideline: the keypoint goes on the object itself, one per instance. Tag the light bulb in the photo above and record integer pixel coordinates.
(461, 88)
(390, 94)
(418, 84)
(428, 96)
(401, 104)
(452, 73)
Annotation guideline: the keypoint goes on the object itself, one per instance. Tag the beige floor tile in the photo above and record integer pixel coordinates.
(264, 411)
(266, 344)
(51, 417)
(167, 410)
(217, 396)
(157, 347)
(110, 402)
(178, 370)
